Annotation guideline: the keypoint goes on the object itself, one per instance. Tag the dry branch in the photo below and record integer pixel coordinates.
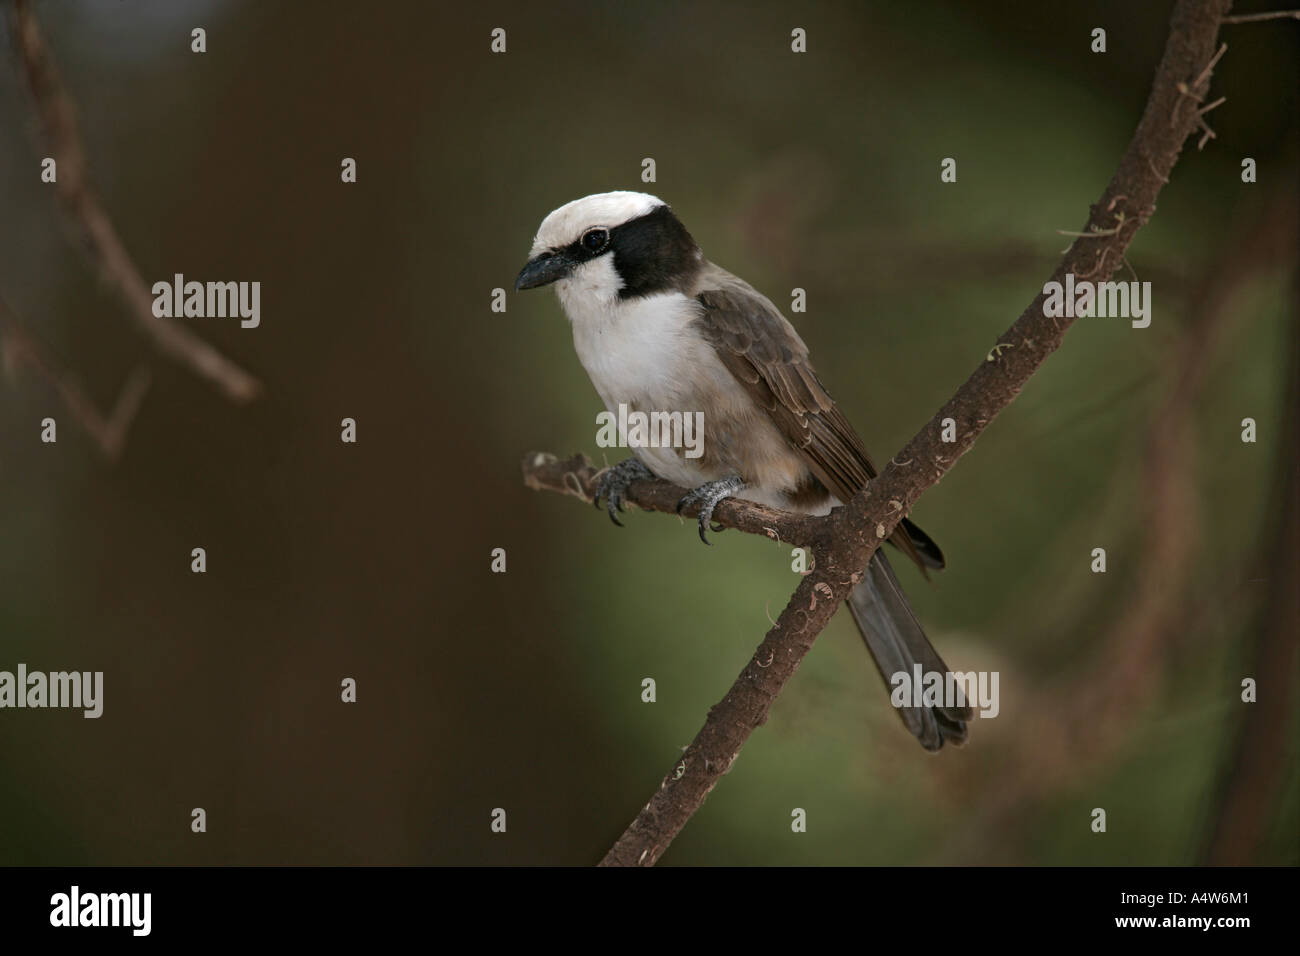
(856, 530)
(59, 124)
(1261, 17)
(577, 476)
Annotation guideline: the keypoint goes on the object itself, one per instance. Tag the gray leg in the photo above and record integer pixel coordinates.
(616, 481)
(707, 497)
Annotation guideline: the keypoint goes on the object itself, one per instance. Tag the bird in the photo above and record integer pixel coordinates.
(657, 326)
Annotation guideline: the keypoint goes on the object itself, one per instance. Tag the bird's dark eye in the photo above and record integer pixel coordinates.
(594, 240)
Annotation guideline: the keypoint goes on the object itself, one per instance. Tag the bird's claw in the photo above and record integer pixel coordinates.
(707, 497)
(614, 483)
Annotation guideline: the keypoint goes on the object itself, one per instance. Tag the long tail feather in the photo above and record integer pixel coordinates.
(897, 643)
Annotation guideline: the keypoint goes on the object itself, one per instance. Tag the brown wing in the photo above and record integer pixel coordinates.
(763, 351)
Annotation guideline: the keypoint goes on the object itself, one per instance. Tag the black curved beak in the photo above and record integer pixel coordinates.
(543, 270)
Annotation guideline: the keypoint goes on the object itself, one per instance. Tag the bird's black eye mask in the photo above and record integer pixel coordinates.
(652, 253)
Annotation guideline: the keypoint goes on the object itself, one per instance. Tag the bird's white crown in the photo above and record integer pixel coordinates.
(566, 224)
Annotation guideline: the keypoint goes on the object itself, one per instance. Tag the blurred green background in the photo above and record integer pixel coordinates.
(522, 690)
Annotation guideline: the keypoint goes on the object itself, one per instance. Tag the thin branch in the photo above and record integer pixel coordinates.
(20, 347)
(1261, 17)
(577, 476)
(858, 529)
(58, 121)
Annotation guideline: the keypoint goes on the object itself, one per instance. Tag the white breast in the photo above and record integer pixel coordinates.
(641, 353)
(636, 354)
(646, 353)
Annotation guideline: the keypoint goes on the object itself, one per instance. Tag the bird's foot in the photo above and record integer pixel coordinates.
(614, 483)
(707, 497)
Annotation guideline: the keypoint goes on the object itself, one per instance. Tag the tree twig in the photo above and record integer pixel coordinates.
(1261, 17)
(59, 123)
(856, 530)
(577, 476)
